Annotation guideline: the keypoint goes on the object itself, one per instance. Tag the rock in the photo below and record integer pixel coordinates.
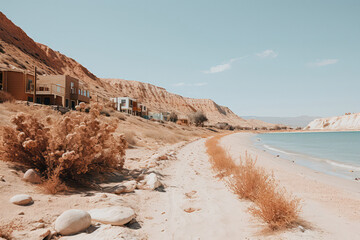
(32, 176)
(119, 189)
(21, 199)
(126, 187)
(21, 213)
(72, 221)
(130, 186)
(116, 216)
(38, 225)
(150, 182)
(2, 178)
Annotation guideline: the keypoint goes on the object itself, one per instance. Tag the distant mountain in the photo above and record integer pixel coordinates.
(300, 121)
(345, 122)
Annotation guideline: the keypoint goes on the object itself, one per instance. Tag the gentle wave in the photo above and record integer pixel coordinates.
(275, 149)
(331, 162)
(342, 165)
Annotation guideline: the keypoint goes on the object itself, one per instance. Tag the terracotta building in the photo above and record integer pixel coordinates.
(17, 83)
(60, 90)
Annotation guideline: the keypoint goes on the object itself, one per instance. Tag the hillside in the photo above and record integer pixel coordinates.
(345, 122)
(300, 121)
(19, 51)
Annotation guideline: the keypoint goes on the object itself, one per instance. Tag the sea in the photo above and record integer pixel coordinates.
(334, 153)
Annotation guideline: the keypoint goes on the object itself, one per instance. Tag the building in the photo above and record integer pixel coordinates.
(130, 106)
(71, 90)
(17, 83)
(161, 116)
(60, 90)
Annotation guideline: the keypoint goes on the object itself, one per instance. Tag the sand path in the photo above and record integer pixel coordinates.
(217, 212)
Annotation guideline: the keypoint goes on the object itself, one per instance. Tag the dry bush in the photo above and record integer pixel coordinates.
(220, 159)
(130, 137)
(276, 207)
(5, 97)
(249, 180)
(65, 149)
(198, 118)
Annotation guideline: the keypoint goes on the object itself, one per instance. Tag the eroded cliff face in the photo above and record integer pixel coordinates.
(19, 51)
(345, 122)
(158, 99)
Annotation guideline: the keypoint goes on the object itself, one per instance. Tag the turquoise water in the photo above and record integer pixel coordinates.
(335, 153)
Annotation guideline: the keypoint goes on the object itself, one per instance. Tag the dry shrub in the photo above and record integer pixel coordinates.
(276, 207)
(5, 97)
(65, 149)
(220, 159)
(249, 180)
(130, 137)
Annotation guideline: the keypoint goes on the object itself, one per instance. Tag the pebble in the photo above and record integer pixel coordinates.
(21, 199)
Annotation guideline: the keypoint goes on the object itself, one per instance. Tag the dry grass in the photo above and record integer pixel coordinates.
(64, 149)
(273, 205)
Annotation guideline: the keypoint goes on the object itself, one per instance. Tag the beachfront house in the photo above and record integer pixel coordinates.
(130, 106)
(69, 91)
(160, 116)
(59, 90)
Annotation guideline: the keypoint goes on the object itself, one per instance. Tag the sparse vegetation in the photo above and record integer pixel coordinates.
(198, 118)
(5, 97)
(276, 207)
(64, 149)
(173, 117)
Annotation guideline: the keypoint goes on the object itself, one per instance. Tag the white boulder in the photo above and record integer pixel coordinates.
(32, 176)
(72, 221)
(116, 215)
(21, 199)
(150, 182)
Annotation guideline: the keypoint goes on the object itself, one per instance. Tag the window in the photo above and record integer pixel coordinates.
(88, 94)
(66, 102)
(29, 86)
(30, 99)
(58, 88)
(123, 102)
(79, 91)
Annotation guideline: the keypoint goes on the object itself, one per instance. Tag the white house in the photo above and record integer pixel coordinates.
(124, 104)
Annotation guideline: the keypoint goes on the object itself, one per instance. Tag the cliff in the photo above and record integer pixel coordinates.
(345, 122)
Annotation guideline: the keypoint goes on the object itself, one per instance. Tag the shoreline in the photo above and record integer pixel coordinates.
(330, 203)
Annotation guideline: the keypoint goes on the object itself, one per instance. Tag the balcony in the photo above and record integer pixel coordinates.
(46, 89)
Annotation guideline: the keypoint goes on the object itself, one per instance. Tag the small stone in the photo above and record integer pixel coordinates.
(116, 216)
(103, 195)
(2, 178)
(21, 199)
(119, 189)
(129, 186)
(32, 176)
(150, 182)
(72, 221)
(21, 213)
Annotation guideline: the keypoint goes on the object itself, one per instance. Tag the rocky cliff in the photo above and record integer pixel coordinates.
(158, 99)
(345, 122)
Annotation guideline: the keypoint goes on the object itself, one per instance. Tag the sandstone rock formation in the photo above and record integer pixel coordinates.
(345, 122)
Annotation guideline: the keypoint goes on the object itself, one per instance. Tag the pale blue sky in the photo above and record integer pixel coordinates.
(265, 58)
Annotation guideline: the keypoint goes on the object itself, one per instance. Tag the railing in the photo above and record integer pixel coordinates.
(46, 89)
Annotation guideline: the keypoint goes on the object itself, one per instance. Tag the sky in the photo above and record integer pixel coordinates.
(262, 58)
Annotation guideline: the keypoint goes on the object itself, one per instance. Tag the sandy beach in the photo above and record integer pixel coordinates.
(330, 205)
